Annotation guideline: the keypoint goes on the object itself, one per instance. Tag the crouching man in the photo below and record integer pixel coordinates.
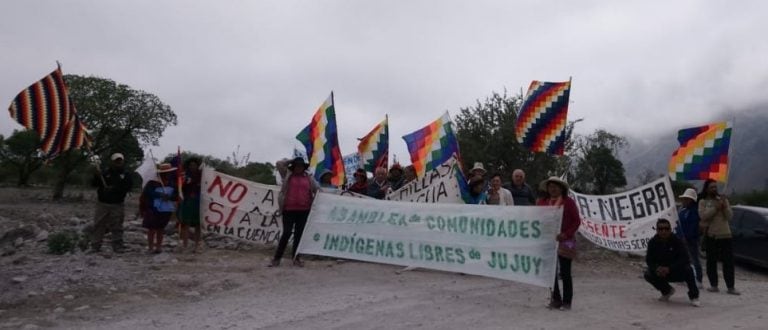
(668, 261)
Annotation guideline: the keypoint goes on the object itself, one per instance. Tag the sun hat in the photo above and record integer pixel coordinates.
(116, 156)
(298, 161)
(478, 167)
(690, 193)
(557, 180)
(165, 168)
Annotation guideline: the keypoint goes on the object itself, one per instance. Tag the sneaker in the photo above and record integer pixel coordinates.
(695, 303)
(733, 292)
(665, 297)
(713, 289)
(298, 263)
(274, 263)
(565, 307)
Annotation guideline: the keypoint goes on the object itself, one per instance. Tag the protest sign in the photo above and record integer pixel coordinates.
(625, 221)
(512, 243)
(437, 186)
(351, 163)
(239, 208)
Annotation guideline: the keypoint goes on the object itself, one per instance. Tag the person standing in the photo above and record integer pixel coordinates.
(113, 184)
(667, 261)
(409, 174)
(477, 190)
(522, 193)
(557, 195)
(497, 195)
(688, 229)
(295, 200)
(189, 208)
(159, 200)
(361, 182)
(396, 179)
(380, 185)
(715, 213)
(477, 170)
(325, 180)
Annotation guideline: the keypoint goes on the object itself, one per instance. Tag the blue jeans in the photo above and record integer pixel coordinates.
(693, 251)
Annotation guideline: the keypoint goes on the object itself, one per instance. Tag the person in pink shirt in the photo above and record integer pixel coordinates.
(295, 200)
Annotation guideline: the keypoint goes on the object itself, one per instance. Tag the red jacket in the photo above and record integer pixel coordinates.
(571, 219)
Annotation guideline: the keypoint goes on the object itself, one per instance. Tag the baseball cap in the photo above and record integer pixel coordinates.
(116, 156)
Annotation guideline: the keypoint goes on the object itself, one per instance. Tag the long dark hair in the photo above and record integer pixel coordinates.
(704, 194)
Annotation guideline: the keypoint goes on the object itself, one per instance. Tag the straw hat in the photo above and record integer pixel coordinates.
(165, 168)
(557, 180)
(478, 167)
(690, 193)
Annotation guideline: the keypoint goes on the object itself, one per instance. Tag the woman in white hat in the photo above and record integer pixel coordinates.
(688, 230)
(557, 191)
(159, 202)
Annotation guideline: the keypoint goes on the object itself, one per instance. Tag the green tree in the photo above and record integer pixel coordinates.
(21, 152)
(486, 134)
(120, 119)
(598, 169)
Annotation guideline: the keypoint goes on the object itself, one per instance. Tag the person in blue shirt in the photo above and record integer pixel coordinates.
(688, 228)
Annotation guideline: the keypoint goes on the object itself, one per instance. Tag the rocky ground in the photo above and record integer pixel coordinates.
(227, 286)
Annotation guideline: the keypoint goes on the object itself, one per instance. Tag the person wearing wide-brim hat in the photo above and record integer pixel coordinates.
(477, 170)
(295, 200)
(557, 191)
(688, 228)
(159, 202)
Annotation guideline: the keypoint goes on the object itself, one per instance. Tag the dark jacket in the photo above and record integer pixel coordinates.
(377, 191)
(688, 227)
(118, 182)
(671, 253)
(523, 195)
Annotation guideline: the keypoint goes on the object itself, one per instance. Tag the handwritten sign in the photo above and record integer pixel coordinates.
(240, 208)
(437, 186)
(626, 221)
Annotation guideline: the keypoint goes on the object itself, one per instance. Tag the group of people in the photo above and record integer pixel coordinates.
(298, 189)
(161, 199)
(675, 257)
(670, 257)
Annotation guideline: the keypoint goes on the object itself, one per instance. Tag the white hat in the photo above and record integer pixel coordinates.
(165, 168)
(559, 181)
(478, 167)
(690, 193)
(116, 156)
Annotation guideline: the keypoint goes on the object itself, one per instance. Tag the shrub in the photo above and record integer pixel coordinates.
(62, 242)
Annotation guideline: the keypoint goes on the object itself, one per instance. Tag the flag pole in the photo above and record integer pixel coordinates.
(730, 152)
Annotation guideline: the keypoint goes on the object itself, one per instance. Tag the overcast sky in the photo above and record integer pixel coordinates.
(252, 73)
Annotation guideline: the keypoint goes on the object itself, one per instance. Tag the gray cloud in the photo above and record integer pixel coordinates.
(252, 73)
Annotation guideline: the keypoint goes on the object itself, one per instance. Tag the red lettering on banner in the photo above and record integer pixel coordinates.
(228, 190)
(605, 230)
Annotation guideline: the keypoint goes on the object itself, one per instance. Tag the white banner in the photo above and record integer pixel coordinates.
(626, 221)
(239, 208)
(512, 243)
(437, 186)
